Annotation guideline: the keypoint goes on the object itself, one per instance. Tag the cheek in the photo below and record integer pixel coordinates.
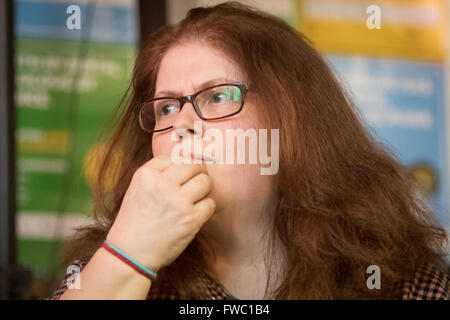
(236, 182)
(162, 144)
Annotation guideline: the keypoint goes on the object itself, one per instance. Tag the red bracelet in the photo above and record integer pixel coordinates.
(127, 261)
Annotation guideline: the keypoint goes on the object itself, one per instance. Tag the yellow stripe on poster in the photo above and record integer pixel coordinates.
(39, 140)
(413, 29)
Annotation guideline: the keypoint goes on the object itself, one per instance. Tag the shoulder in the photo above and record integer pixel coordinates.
(429, 283)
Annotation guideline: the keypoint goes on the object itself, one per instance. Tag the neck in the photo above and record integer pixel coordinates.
(240, 241)
(239, 235)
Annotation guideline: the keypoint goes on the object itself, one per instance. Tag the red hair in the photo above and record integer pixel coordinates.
(345, 203)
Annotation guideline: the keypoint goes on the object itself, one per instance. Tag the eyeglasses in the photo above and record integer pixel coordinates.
(212, 103)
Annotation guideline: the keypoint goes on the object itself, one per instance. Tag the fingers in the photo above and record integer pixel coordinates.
(205, 208)
(182, 173)
(159, 163)
(197, 188)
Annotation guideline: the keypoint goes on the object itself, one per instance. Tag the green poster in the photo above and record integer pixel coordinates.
(68, 82)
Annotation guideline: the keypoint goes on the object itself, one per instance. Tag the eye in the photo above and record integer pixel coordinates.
(166, 108)
(227, 94)
(218, 97)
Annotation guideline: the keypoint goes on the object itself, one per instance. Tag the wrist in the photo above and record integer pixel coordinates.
(141, 257)
(120, 269)
(130, 261)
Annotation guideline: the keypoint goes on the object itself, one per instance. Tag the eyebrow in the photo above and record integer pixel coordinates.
(209, 83)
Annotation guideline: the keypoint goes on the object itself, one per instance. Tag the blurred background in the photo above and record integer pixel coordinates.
(60, 80)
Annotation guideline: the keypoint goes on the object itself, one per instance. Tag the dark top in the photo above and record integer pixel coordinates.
(429, 283)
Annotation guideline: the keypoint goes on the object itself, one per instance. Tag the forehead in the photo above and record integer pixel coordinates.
(186, 66)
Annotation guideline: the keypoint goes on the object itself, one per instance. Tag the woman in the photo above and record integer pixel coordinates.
(339, 203)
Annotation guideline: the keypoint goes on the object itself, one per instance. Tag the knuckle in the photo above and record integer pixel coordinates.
(167, 177)
(204, 179)
(211, 204)
(138, 178)
(155, 161)
(139, 173)
(142, 173)
(149, 179)
(208, 205)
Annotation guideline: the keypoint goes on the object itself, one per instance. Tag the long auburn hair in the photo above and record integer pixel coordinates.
(346, 202)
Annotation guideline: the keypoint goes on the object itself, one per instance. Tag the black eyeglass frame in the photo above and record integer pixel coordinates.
(243, 86)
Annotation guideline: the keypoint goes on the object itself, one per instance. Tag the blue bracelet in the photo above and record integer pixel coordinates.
(149, 273)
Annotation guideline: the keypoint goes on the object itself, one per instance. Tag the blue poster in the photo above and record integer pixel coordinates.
(404, 104)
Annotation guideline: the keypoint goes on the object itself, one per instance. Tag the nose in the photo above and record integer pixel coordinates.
(186, 118)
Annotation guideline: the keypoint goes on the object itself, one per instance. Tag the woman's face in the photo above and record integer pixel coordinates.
(183, 71)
